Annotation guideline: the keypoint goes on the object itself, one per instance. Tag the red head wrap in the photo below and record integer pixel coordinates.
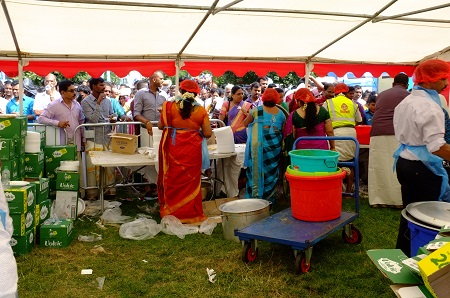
(431, 71)
(340, 88)
(271, 95)
(190, 86)
(304, 95)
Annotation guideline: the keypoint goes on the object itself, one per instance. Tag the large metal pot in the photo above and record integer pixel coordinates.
(239, 214)
(207, 190)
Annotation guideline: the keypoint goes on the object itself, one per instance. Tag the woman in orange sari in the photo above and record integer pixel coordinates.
(180, 155)
(236, 110)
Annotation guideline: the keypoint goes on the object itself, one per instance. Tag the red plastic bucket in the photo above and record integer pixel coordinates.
(316, 198)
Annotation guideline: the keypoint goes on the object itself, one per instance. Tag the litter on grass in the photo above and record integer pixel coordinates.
(101, 282)
(90, 238)
(86, 271)
(140, 229)
(211, 275)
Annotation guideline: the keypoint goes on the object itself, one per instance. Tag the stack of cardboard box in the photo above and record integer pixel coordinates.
(12, 145)
(22, 203)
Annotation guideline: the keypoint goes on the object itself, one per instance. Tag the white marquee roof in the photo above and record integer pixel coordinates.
(327, 31)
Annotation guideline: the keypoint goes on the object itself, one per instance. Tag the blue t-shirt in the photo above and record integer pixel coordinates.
(13, 106)
(368, 117)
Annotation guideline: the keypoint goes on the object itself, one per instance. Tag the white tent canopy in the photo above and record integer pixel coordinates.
(401, 33)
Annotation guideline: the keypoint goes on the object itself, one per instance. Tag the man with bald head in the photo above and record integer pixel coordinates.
(42, 99)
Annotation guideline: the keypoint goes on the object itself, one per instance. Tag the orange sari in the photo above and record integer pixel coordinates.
(180, 162)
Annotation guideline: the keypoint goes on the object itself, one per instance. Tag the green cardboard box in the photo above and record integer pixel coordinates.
(52, 189)
(50, 170)
(67, 181)
(42, 211)
(7, 149)
(23, 244)
(20, 198)
(56, 233)
(13, 128)
(12, 165)
(54, 154)
(23, 222)
(42, 188)
(19, 146)
(34, 164)
(21, 171)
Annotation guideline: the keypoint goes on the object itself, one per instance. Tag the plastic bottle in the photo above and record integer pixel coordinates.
(5, 178)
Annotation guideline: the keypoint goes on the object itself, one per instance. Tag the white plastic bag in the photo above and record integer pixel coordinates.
(173, 226)
(207, 227)
(140, 229)
(114, 215)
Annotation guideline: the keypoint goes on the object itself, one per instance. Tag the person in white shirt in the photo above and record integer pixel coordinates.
(42, 99)
(8, 276)
(419, 128)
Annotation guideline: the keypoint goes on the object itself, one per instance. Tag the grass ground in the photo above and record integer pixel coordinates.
(167, 266)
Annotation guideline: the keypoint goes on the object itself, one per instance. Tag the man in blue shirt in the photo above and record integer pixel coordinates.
(371, 104)
(13, 106)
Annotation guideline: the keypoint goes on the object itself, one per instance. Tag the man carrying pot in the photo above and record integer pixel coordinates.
(420, 128)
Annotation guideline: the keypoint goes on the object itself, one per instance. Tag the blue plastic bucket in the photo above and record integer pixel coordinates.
(314, 160)
(420, 236)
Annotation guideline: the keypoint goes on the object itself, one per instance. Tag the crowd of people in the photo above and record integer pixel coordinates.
(267, 119)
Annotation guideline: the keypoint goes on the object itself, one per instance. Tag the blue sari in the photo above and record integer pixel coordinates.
(263, 153)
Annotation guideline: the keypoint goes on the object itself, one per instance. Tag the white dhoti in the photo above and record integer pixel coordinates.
(346, 149)
(384, 188)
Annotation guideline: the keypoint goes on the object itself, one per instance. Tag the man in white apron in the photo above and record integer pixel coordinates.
(420, 128)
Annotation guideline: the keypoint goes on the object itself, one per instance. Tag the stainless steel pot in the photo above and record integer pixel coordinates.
(207, 190)
(239, 214)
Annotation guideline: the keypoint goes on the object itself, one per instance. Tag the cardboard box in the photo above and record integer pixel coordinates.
(67, 181)
(34, 164)
(436, 272)
(12, 165)
(13, 128)
(56, 233)
(42, 188)
(42, 212)
(211, 208)
(66, 204)
(22, 244)
(7, 149)
(23, 222)
(50, 170)
(21, 166)
(20, 198)
(19, 146)
(390, 263)
(54, 154)
(124, 143)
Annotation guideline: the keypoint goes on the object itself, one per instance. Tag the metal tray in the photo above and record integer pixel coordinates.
(431, 212)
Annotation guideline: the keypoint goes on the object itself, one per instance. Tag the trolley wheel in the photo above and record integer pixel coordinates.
(356, 236)
(300, 263)
(248, 254)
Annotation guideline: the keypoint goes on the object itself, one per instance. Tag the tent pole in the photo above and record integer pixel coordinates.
(20, 66)
(177, 76)
(226, 6)
(308, 68)
(11, 28)
(411, 13)
(213, 6)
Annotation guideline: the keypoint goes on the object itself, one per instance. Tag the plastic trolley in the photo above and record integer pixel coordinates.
(284, 229)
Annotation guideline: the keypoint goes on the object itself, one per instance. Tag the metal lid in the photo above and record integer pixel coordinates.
(244, 205)
(431, 212)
